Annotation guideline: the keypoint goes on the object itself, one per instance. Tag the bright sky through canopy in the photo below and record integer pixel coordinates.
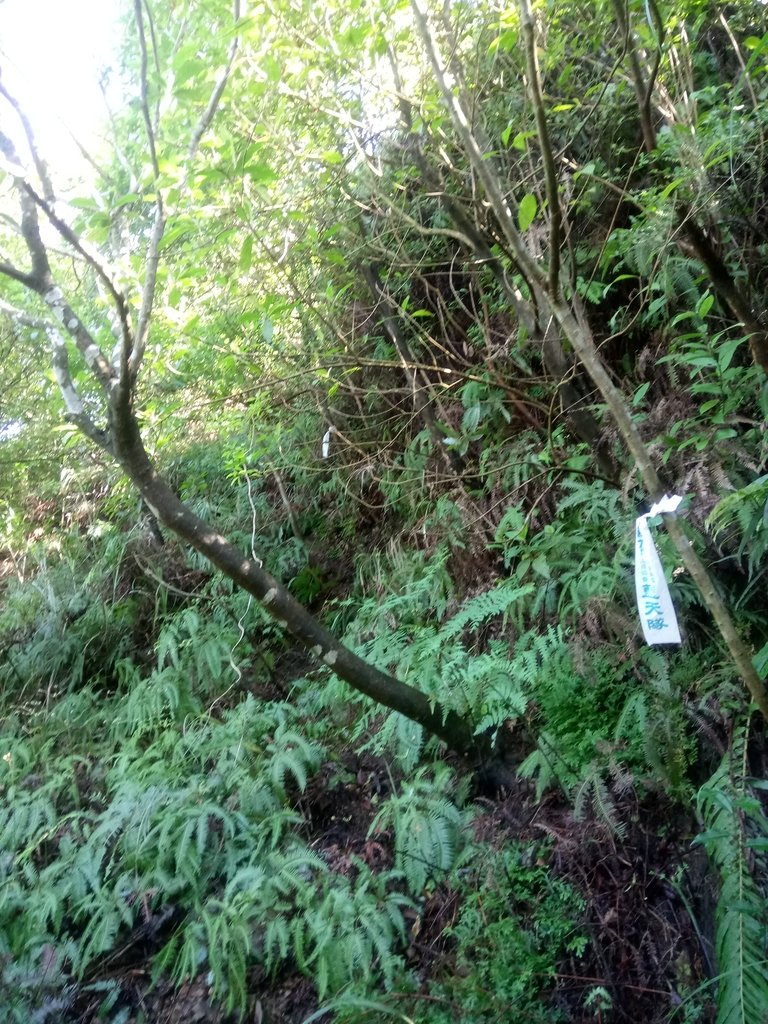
(52, 54)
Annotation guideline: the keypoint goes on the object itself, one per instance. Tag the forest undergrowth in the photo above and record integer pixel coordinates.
(201, 822)
(323, 690)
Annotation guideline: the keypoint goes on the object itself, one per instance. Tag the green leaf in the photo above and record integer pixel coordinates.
(186, 69)
(246, 253)
(84, 204)
(541, 566)
(527, 211)
(705, 305)
(726, 353)
(261, 173)
(587, 169)
(506, 41)
(671, 188)
(173, 235)
(520, 141)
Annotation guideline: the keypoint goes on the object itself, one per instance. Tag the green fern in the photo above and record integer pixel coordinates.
(593, 794)
(428, 828)
(539, 765)
(291, 754)
(654, 725)
(350, 931)
(492, 603)
(736, 837)
(746, 511)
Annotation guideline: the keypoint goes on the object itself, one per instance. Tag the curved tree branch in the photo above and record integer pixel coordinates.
(92, 259)
(123, 440)
(248, 574)
(8, 270)
(75, 409)
(41, 279)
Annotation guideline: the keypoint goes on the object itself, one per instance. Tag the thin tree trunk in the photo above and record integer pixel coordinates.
(643, 89)
(726, 288)
(276, 599)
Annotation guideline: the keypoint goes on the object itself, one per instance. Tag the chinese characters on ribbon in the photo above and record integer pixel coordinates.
(657, 614)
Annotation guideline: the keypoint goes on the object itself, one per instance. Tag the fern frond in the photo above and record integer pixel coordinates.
(496, 601)
(742, 927)
(593, 795)
(428, 827)
(538, 766)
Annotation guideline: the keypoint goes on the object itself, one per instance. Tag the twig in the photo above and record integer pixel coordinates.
(41, 280)
(204, 123)
(40, 166)
(137, 9)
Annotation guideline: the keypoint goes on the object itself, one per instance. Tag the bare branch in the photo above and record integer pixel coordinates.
(40, 275)
(208, 114)
(89, 349)
(19, 316)
(40, 165)
(643, 89)
(658, 28)
(132, 355)
(550, 172)
(139, 15)
(135, 356)
(41, 279)
(86, 155)
(424, 229)
(8, 270)
(61, 370)
(134, 352)
(467, 232)
(155, 58)
(92, 259)
(115, 143)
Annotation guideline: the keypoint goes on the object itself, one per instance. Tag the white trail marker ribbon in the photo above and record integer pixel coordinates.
(326, 442)
(657, 614)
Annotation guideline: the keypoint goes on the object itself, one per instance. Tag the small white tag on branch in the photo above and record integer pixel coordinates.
(327, 441)
(657, 614)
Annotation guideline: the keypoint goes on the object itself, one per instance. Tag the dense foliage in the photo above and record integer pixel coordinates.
(428, 304)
